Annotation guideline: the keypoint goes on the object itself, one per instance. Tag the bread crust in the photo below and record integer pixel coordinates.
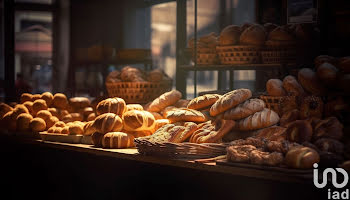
(274, 87)
(164, 100)
(185, 114)
(258, 120)
(203, 101)
(245, 109)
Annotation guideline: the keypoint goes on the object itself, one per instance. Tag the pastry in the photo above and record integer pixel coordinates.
(37, 125)
(240, 153)
(26, 97)
(23, 121)
(330, 128)
(292, 86)
(117, 140)
(299, 131)
(133, 107)
(311, 106)
(230, 100)
(289, 117)
(47, 97)
(164, 100)
(185, 114)
(212, 131)
(258, 120)
(256, 142)
(38, 105)
(274, 88)
(302, 158)
(111, 105)
(108, 122)
(254, 35)
(203, 102)
(245, 109)
(230, 35)
(136, 120)
(282, 146)
(60, 101)
(310, 82)
(265, 158)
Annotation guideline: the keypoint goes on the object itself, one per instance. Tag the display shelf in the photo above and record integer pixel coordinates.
(114, 62)
(236, 67)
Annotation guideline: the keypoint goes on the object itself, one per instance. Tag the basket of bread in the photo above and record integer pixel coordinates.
(136, 86)
(206, 49)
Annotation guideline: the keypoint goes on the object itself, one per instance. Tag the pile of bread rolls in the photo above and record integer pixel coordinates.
(132, 74)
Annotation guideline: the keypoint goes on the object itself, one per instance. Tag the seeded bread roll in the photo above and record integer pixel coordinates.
(274, 87)
(164, 100)
(203, 102)
(258, 120)
(245, 109)
(185, 114)
(117, 140)
(111, 105)
(136, 120)
(230, 100)
(108, 122)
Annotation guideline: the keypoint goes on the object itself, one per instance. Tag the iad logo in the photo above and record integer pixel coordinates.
(335, 194)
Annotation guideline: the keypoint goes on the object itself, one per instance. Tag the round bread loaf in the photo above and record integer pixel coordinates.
(37, 125)
(29, 106)
(108, 122)
(113, 76)
(131, 74)
(51, 121)
(164, 100)
(203, 102)
(60, 101)
(310, 82)
(36, 97)
(275, 88)
(111, 105)
(4, 108)
(60, 124)
(23, 121)
(38, 105)
(87, 111)
(19, 109)
(26, 97)
(133, 107)
(230, 100)
(54, 129)
(155, 75)
(245, 109)
(292, 86)
(254, 35)
(280, 34)
(302, 157)
(136, 120)
(324, 58)
(117, 140)
(47, 97)
(269, 27)
(246, 25)
(76, 129)
(44, 114)
(65, 130)
(8, 121)
(327, 73)
(299, 131)
(230, 35)
(344, 64)
(186, 115)
(79, 102)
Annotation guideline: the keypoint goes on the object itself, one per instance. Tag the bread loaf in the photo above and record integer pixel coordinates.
(165, 111)
(156, 115)
(108, 122)
(136, 120)
(299, 131)
(269, 27)
(212, 131)
(37, 125)
(79, 102)
(185, 114)
(76, 128)
(203, 102)
(23, 121)
(89, 129)
(244, 109)
(230, 35)
(133, 107)
(26, 97)
(60, 101)
(274, 87)
(155, 75)
(327, 73)
(111, 105)
(96, 138)
(292, 86)
(47, 97)
(302, 157)
(310, 82)
(254, 35)
(117, 140)
(230, 100)
(131, 74)
(182, 103)
(164, 100)
(258, 120)
(113, 76)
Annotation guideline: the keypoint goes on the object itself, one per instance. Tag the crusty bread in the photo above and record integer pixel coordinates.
(111, 105)
(157, 115)
(254, 35)
(23, 121)
(137, 120)
(164, 100)
(182, 103)
(212, 131)
(327, 73)
(258, 120)
(60, 101)
(89, 129)
(47, 97)
(133, 107)
(274, 87)
(230, 100)
(79, 102)
(117, 140)
(302, 157)
(272, 133)
(230, 35)
(167, 109)
(155, 75)
(244, 109)
(203, 102)
(185, 114)
(310, 82)
(108, 122)
(292, 86)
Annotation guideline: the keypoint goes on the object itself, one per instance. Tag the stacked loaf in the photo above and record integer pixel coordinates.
(132, 74)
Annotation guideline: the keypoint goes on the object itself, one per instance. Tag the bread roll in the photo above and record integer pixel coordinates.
(117, 140)
(258, 120)
(51, 121)
(29, 106)
(203, 102)
(136, 120)
(164, 100)
(212, 132)
(292, 86)
(329, 128)
(47, 97)
(254, 35)
(38, 105)
(65, 130)
(245, 109)
(302, 158)
(310, 82)
(111, 105)
(96, 138)
(324, 58)
(289, 117)
(37, 125)
(87, 111)
(299, 131)
(8, 121)
(26, 97)
(133, 107)
(4, 108)
(186, 115)
(311, 106)
(44, 114)
(280, 34)
(344, 64)
(91, 117)
(54, 129)
(36, 97)
(89, 129)
(157, 115)
(23, 121)
(327, 73)
(230, 100)
(273, 133)
(79, 102)
(131, 74)
(155, 75)
(60, 101)
(60, 124)
(269, 27)
(76, 129)
(230, 35)
(108, 122)
(274, 87)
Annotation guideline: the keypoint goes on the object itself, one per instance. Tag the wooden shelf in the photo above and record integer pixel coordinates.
(113, 62)
(236, 67)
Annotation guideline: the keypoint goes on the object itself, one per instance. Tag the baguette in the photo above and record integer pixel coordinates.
(164, 100)
(259, 120)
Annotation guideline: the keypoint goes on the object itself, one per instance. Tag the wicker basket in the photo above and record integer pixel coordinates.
(184, 150)
(206, 56)
(138, 92)
(231, 55)
(273, 103)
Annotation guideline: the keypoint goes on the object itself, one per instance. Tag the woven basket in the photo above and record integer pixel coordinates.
(272, 103)
(138, 92)
(184, 150)
(275, 54)
(238, 54)
(206, 56)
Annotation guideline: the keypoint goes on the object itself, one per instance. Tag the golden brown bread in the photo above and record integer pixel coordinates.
(254, 35)
(157, 115)
(164, 100)
(54, 129)
(117, 140)
(212, 131)
(185, 114)
(91, 117)
(269, 27)
(4, 108)
(8, 121)
(37, 124)
(87, 111)
(299, 131)
(60, 101)
(133, 107)
(51, 121)
(131, 74)
(44, 114)
(230, 35)
(137, 120)
(310, 82)
(108, 122)
(65, 130)
(302, 157)
(38, 105)
(203, 102)
(288, 103)
(60, 124)
(47, 97)
(274, 87)
(26, 97)
(244, 109)
(79, 102)
(89, 129)
(155, 75)
(111, 105)
(165, 111)
(76, 128)
(113, 76)
(258, 120)
(273, 133)
(182, 103)
(23, 121)
(29, 106)
(230, 100)
(292, 86)
(96, 138)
